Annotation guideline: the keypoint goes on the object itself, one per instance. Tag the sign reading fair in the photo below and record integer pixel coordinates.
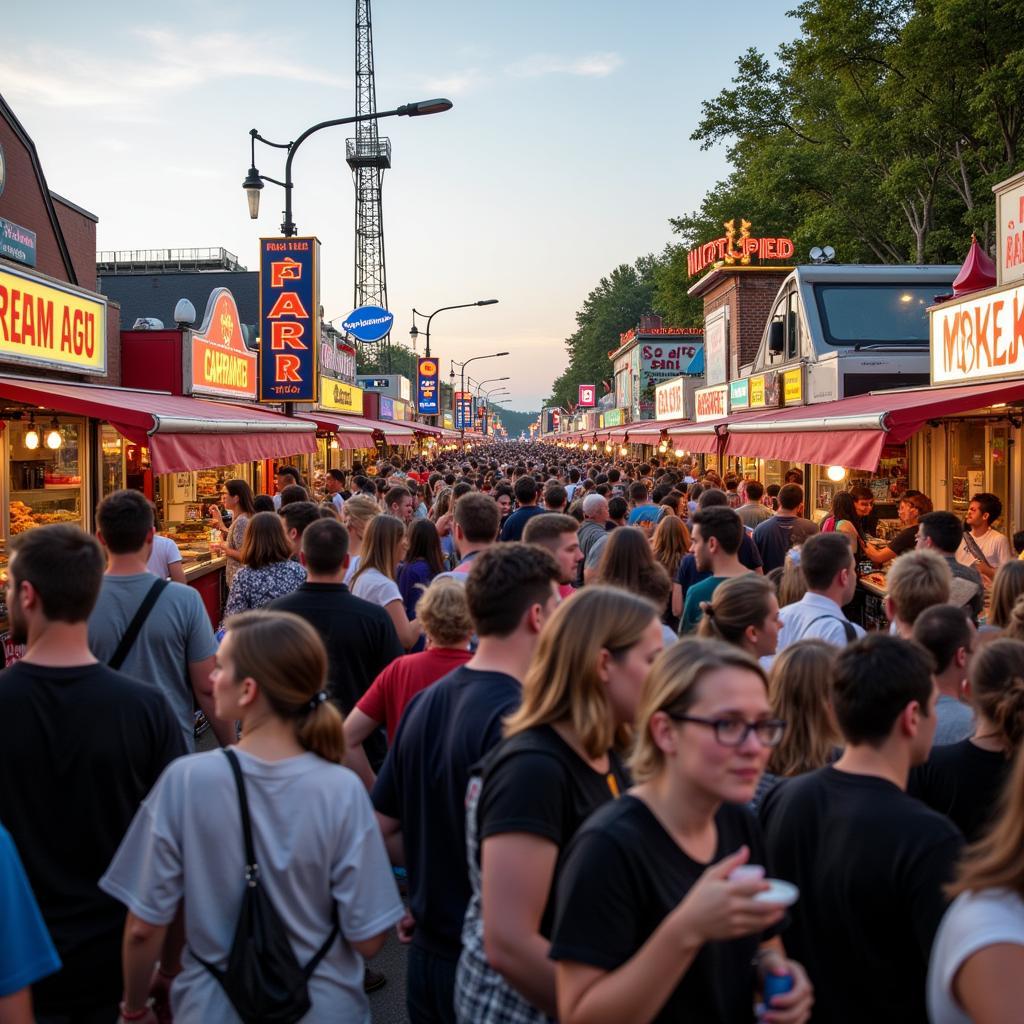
(428, 386)
(369, 323)
(289, 319)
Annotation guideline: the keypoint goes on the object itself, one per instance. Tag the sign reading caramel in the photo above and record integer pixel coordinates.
(45, 323)
(221, 365)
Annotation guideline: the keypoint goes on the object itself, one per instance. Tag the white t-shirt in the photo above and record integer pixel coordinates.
(994, 546)
(164, 554)
(353, 565)
(375, 587)
(973, 922)
(318, 846)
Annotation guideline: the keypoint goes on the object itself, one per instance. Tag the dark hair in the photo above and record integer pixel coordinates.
(65, 567)
(721, 523)
(460, 489)
(997, 688)
(794, 476)
(424, 543)
(822, 556)
(265, 541)
(548, 527)
(638, 492)
(628, 562)
(124, 519)
(325, 546)
(478, 516)
(755, 490)
(617, 507)
(772, 490)
(396, 494)
(555, 494)
(525, 490)
(942, 630)
(263, 503)
(919, 501)
(243, 492)
(290, 471)
(791, 496)
(990, 504)
(844, 508)
(861, 493)
(943, 529)
(875, 678)
(713, 497)
(292, 494)
(1018, 542)
(337, 474)
(504, 582)
(299, 514)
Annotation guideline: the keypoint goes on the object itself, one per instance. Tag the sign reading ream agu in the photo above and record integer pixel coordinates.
(289, 319)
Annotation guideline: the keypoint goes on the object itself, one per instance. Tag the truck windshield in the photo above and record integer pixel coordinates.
(874, 314)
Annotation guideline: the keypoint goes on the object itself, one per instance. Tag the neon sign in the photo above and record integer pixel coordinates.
(738, 249)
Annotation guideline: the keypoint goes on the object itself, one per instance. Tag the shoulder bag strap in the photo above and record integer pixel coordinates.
(131, 634)
(975, 549)
(851, 633)
(251, 867)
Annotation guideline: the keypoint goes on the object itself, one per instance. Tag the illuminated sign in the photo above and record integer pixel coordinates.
(387, 408)
(645, 332)
(711, 403)
(17, 243)
(428, 386)
(739, 394)
(51, 325)
(978, 338)
(670, 400)
(341, 397)
(289, 319)
(737, 249)
(793, 386)
(588, 396)
(220, 364)
(756, 392)
(463, 410)
(338, 361)
(1010, 229)
(612, 418)
(369, 323)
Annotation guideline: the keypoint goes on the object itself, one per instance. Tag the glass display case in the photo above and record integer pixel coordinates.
(46, 469)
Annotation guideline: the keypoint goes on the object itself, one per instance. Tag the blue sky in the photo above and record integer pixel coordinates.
(565, 154)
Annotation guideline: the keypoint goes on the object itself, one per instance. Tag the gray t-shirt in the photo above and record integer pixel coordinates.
(954, 721)
(319, 849)
(176, 634)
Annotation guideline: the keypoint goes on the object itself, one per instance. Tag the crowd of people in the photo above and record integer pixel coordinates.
(567, 726)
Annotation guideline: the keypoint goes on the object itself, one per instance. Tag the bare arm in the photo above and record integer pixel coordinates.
(368, 948)
(16, 1008)
(140, 952)
(199, 674)
(391, 830)
(176, 571)
(517, 871)
(408, 630)
(359, 725)
(677, 600)
(990, 984)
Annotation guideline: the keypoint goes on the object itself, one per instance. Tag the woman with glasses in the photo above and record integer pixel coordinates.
(650, 925)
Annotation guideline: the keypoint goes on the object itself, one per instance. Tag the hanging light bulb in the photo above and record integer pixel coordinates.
(680, 453)
(32, 434)
(334, 444)
(53, 436)
(663, 447)
(836, 473)
(623, 450)
(608, 448)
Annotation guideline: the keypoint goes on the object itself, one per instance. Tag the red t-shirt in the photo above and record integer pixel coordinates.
(386, 699)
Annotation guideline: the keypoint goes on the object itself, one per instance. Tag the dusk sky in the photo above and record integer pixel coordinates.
(565, 154)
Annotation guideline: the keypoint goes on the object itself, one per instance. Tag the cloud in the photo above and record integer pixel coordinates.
(458, 83)
(161, 61)
(593, 65)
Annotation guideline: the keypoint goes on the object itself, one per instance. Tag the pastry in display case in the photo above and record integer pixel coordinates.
(45, 474)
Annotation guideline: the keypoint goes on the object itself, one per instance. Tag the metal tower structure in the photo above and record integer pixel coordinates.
(369, 156)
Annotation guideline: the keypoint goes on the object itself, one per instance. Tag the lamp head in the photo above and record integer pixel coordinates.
(253, 184)
(418, 109)
(486, 302)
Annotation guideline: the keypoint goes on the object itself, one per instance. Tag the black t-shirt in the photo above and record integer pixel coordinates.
(80, 748)
(963, 782)
(870, 862)
(905, 540)
(623, 875)
(535, 782)
(445, 730)
(512, 528)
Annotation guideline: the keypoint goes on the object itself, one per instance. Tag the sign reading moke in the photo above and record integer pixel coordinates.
(978, 338)
(51, 324)
(711, 403)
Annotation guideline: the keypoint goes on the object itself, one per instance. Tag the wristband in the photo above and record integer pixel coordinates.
(129, 1015)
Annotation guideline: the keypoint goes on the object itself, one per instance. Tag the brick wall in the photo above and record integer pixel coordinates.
(80, 238)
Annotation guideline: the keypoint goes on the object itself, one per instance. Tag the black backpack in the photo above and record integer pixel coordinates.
(263, 979)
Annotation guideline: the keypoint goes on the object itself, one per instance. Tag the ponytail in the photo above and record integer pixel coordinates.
(736, 605)
(997, 689)
(320, 731)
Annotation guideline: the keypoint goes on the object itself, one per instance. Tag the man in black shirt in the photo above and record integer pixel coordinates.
(420, 795)
(359, 636)
(526, 498)
(82, 745)
(870, 861)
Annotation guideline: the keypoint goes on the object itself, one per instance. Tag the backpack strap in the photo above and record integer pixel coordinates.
(131, 634)
(851, 633)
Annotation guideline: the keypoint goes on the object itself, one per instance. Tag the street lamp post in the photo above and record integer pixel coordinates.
(253, 183)
(462, 367)
(414, 332)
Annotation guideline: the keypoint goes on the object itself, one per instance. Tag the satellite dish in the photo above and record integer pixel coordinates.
(817, 253)
(148, 323)
(184, 313)
(830, 253)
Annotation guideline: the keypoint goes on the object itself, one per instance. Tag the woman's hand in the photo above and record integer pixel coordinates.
(794, 1006)
(147, 1017)
(717, 908)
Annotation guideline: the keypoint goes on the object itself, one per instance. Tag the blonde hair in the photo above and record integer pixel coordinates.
(443, 611)
(792, 582)
(380, 547)
(361, 508)
(672, 685)
(798, 691)
(1007, 587)
(735, 605)
(286, 657)
(563, 683)
(918, 580)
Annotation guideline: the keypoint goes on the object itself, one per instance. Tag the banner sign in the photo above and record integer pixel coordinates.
(716, 346)
(17, 243)
(588, 396)
(428, 386)
(793, 386)
(670, 400)
(51, 325)
(338, 396)
(463, 410)
(220, 364)
(739, 395)
(369, 323)
(289, 319)
(1010, 229)
(337, 361)
(711, 403)
(613, 418)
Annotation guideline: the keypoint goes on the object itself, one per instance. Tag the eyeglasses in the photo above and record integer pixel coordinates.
(733, 732)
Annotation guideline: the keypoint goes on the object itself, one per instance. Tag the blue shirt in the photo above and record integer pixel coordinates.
(645, 514)
(516, 523)
(26, 950)
(699, 592)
